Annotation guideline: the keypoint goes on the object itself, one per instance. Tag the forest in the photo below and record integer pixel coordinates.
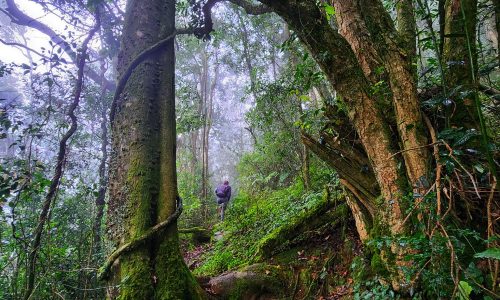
(249, 149)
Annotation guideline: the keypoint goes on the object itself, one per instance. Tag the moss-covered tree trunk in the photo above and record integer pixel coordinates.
(143, 187)
(369, 62)
(370, 67)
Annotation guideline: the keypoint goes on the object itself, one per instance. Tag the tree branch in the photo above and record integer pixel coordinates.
(24, 47)
(251, 8)
(19, 17)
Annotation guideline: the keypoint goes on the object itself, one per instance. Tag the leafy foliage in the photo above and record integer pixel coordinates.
(251, 218)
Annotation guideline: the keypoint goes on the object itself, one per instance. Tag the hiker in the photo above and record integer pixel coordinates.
(223, 193)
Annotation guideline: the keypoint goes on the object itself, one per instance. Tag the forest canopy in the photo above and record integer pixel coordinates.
(244, 149)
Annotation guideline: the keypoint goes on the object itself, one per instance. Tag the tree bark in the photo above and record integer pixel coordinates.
(459, 67)
(143, 184)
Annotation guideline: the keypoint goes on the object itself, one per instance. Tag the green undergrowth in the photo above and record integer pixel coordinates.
(250, 220)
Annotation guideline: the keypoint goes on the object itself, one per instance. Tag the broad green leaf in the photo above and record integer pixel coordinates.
(464, 290)
(493, 253)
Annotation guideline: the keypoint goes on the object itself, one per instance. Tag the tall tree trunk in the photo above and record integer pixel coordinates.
(208, 84)
(245, 41)
(496, 4)
(143, 184)
(103, 182)
(204, 146)
(459, 67)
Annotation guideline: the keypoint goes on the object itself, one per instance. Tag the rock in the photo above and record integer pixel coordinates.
(252, 282)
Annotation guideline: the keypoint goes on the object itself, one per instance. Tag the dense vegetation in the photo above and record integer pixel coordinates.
(360, 139)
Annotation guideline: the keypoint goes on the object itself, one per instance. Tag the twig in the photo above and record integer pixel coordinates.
(492, 293)
(23, 46)
(454, 277)
(414, 148)
(420, 271)
(417, 204)
(463, 168)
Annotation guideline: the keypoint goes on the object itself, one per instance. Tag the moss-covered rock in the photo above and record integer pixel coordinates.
(253, 282)
(329, 213)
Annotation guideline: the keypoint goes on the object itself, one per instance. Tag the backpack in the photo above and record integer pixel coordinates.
(221, 191)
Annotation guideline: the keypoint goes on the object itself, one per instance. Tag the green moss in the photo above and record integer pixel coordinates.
(247, 290)
(282, 237)
(380, 228)
(174, 280)
(219, 262)
(269, 282)
(378, 266)
(135, 276)
(135, 269)
(141, 183)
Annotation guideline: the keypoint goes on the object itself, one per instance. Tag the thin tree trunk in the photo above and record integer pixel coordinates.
(204, 142)
(459, 39)
(496, 4)
(247, 55)
(103, 181)
(95, 253)
(61, 156)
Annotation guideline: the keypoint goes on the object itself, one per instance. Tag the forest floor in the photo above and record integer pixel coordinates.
(318, 267)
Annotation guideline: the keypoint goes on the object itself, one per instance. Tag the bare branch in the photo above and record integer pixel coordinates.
(19, 17)
(23, 46)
